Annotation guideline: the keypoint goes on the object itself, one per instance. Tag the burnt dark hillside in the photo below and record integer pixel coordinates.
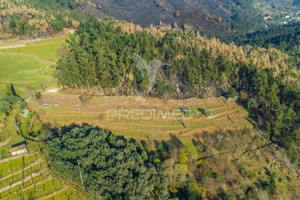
(214, 16)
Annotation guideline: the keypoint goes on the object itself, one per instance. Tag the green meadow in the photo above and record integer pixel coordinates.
(27, 73)
(44, 49)
(29, 68)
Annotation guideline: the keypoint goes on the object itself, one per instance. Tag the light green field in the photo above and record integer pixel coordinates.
(25, 72)
(34, 180)
(30, 66)
(30, 69)
(44, 49)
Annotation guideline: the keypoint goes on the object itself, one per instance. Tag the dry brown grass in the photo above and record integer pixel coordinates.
(227, 115)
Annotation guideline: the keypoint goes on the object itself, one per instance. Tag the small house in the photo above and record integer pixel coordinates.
(20, 149)
(72, 30)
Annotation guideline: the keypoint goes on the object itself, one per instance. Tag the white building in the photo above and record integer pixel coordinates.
(21, 149)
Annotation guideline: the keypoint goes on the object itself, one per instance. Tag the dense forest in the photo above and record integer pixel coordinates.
(99, 60)
(112, 167)
(209, 167)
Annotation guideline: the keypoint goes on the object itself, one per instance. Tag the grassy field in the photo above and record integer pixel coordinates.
(9, 133)
(25, 72)
(143, 119)
(30, 66)
(45, 49)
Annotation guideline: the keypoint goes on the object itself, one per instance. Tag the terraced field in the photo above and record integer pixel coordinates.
(28, 177)
(140, 118)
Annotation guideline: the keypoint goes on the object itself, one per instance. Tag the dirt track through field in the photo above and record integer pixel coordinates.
(222, 114)
(13, 158)
(5, 142)
(17, 172)
(65, 188)
(32, 56)
(12, 46)
(37, 184)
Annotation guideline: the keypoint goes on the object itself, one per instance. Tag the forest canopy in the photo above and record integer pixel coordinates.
(111, 166)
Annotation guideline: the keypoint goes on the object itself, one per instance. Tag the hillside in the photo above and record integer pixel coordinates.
(195, 68)
(225, 165)
(283, 37)
(32, 18)
(279, 11)
(122, 109)
(211, 16)
(27, 176)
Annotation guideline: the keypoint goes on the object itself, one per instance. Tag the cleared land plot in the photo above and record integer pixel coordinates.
(140, 118)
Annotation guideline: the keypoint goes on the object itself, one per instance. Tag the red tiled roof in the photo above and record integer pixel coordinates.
(14, 149)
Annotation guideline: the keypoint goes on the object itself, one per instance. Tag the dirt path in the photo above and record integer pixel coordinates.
(17, 172)
(65, 188)
(12, 46)
(20, 43)
(208, 129)
(221, 114)
(20, 182)
(5, 142)
(31, 186)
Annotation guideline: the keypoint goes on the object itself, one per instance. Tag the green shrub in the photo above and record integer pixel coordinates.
(271, 188)
(38, 96)
(204, 180)
(7, 101)
(252, 175)
(229, 197)
(183, 158)
(23, 104)
(233, 93)
(246, 173)
(222, 179)
(274, 175)
(205, 111)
